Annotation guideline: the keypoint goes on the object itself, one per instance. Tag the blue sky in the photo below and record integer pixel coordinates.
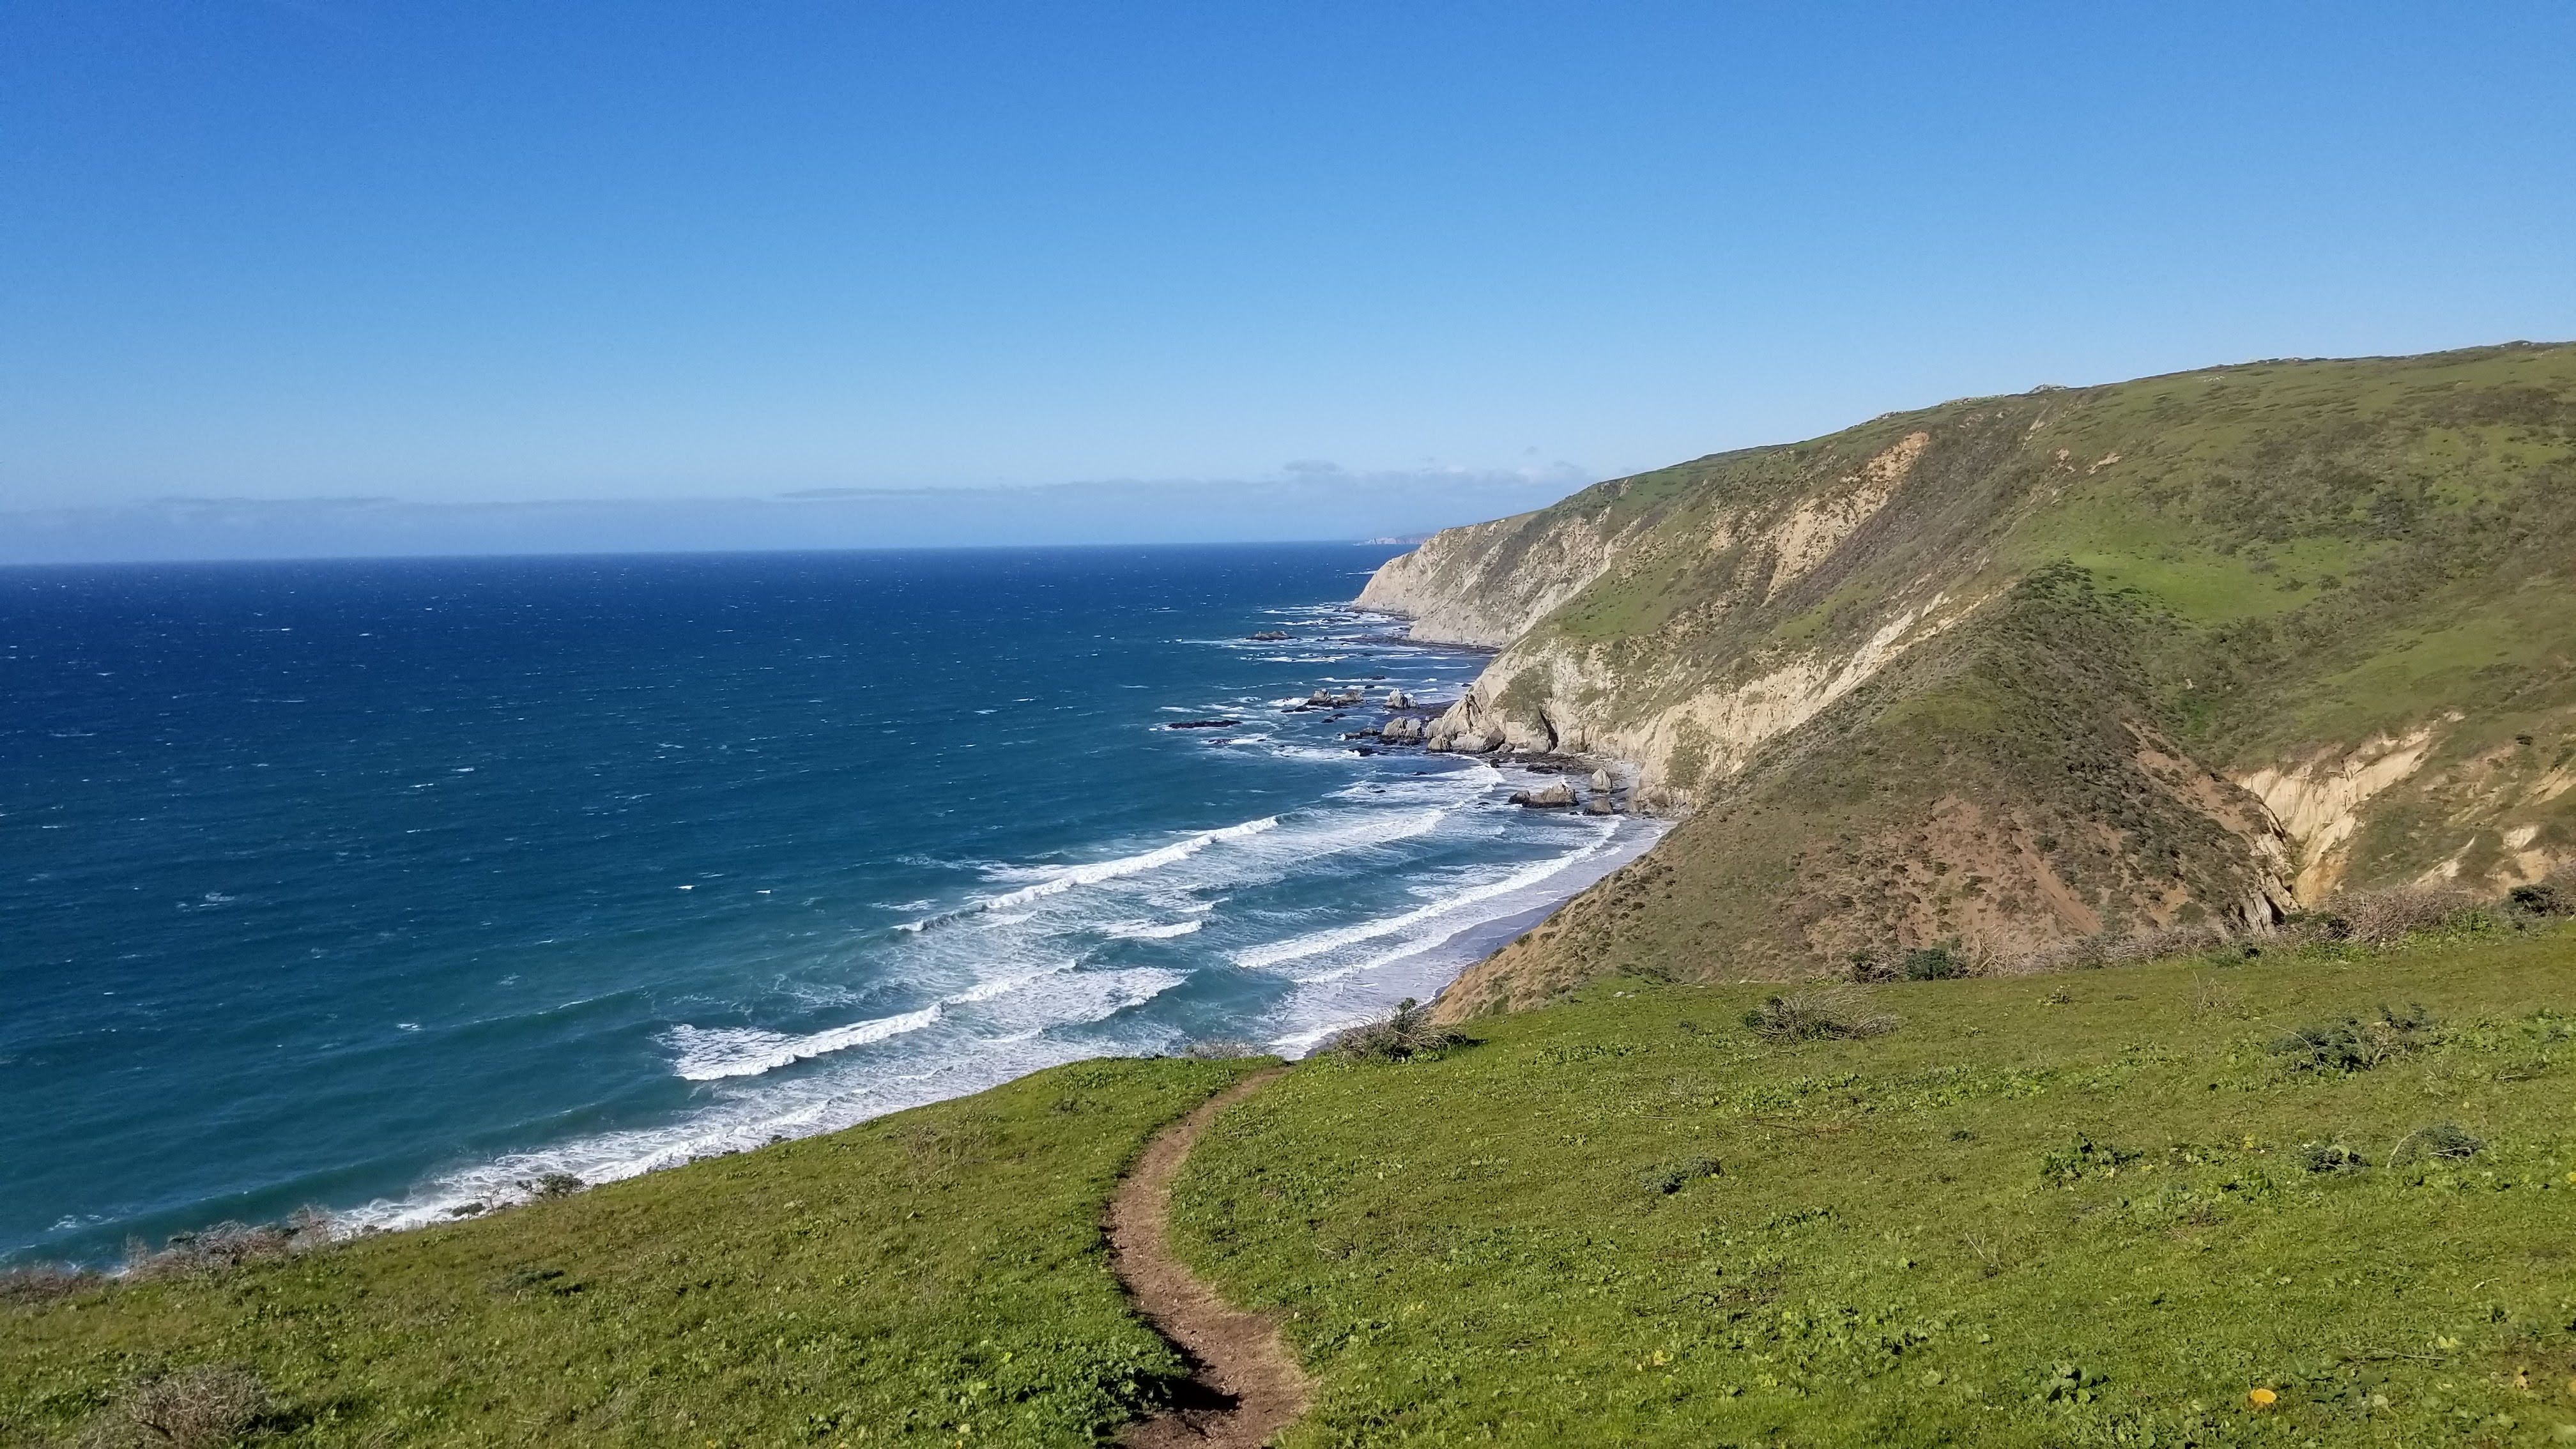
(466, 255)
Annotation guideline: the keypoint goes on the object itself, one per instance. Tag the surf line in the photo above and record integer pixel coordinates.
(1082, 875)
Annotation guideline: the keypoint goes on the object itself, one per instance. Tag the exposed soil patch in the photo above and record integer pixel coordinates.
(1249, 1386)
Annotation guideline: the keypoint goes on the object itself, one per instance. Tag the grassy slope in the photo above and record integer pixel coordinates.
(936, 1272)
(1472, 1250)
(2302, 556)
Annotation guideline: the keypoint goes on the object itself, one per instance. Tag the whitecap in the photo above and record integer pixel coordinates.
(1065, 878)
(1149, 930)
(708, 1054)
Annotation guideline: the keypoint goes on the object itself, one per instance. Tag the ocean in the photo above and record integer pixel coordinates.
(390, 887)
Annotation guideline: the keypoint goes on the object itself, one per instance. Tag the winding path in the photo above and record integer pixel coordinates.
(1248, 1386)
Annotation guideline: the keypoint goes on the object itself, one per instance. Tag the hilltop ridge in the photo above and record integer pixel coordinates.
(2011, 672)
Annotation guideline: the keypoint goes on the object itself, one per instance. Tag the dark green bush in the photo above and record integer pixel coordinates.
(2355, 1045)
(2446, 1141)
(1935, 963)
(2539, 900)
(1673, 1177)
(2330, 1157)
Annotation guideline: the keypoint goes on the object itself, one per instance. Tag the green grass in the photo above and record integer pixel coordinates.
(2096, 1208)
(2046, 1211)
(934, 1277)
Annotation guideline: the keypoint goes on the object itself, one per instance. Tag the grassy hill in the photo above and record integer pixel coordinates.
(2102, 1207)
(2097, 1208)
(932, 1278)
(2015, 671)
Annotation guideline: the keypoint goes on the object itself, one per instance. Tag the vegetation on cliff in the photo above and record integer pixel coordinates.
(2015, 671)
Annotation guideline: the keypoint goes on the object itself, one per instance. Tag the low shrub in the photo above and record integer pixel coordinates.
(2355, 1045)
(2544, 899)
(2092, 952)
(228, 1245)
(1673, 1177)
(1408, 1033)
(2385, 917)
(43, 1282)
(1826, 1011)
(2444, 1141)
(2330, 1157)
(192, 1408)
(1942, 962)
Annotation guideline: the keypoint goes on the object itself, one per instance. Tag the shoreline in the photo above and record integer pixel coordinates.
(1373, 986)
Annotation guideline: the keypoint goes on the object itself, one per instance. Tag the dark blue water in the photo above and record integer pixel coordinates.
(386, 886)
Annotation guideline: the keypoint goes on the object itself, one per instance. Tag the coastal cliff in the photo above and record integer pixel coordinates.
(2011, 672)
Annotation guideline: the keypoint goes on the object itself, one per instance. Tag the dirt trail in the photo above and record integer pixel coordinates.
(1248, 1385)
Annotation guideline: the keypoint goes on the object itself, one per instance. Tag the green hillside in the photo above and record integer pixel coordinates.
(2101, 1208)
(932, 1278)
(2014, 671)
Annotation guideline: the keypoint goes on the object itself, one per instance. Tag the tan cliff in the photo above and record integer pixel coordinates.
(1485, 584)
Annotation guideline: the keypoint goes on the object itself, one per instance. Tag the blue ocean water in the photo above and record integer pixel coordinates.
(390, 886)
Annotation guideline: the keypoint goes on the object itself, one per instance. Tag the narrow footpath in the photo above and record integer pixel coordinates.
(1248, 1385)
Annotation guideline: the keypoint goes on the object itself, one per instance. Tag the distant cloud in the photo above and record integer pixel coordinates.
(1307, 500)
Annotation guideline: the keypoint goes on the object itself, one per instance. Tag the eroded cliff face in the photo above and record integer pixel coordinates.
(1683, 717)
(1486, 584)
(2013, 671)
(2441, 804)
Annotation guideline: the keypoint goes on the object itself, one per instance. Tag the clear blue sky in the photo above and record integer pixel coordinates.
(465, 252)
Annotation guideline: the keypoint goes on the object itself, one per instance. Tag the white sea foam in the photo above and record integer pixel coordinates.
(1298, 948)
(710, 1053)
(1065, 878)
(1002, 985)
(994, 1032)
(1149, 930)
